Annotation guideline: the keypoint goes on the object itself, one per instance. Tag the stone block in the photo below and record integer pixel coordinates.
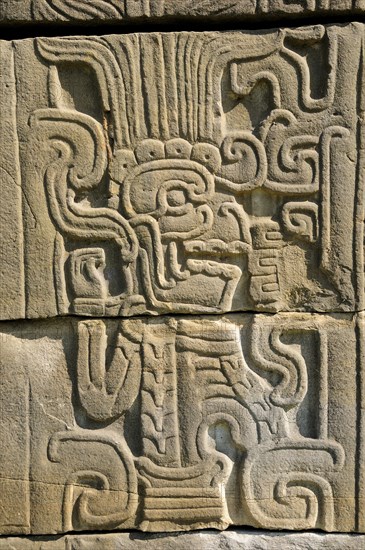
(183, 173)
(86, 11)
(180, 423)
(203, 540)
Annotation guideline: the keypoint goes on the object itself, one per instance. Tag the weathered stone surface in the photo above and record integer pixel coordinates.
(361, 422)
(11, 239)
(203, 540)
(128, 10)
(180, 423)
(184, 173)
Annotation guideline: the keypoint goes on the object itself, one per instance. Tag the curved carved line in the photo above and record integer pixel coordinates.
(99, 57)
(272, 355)
(282, 491)
(74, 219)
(78, 9)
(315, 34)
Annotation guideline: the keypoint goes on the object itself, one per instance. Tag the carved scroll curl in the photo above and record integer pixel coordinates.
(240, 152)
(292, 158)
(292, 495)
(301, 219)
(79, 150)
(101, 489)
(272, 355)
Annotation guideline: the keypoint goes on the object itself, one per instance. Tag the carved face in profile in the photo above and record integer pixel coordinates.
(171, 182)
(165, 163)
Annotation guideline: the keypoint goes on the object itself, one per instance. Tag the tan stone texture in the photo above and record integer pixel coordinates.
(203, 540)
(185, 173)
(181, 423)
(169, 10)
(182, 336)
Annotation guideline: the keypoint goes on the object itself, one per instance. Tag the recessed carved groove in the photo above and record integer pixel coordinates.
(182, 309)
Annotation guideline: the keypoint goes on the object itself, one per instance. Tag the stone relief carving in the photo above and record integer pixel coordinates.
(200, 174)
(180, 423)
(182, 174)
(86, 10)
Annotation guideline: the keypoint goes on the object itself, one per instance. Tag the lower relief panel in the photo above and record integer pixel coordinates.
(180, 423)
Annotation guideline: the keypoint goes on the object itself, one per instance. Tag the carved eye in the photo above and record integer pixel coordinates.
(175, 197)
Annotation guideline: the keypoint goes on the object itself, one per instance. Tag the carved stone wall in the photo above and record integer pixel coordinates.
(182, 336)
(83, 11)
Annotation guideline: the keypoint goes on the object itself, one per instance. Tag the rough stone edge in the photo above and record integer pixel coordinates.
(199, 540)
(23, 16)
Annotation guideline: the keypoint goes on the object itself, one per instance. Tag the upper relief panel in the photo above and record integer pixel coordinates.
(184, 173)
(129, 10)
